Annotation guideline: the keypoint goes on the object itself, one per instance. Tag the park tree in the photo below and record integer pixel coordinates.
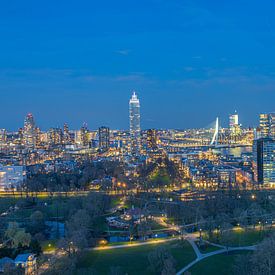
(63, 265)
(86, 271)
(160, 260)
(226, 234)
(78, 229)
(144, 229)
(116, 270)
(21, 238)
(261, 262)
(37, 222)
(17, 236)
(169, 267)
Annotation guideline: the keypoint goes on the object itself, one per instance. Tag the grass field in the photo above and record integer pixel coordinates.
(207, 248)
(133, 260)
(216, 265)
(5, 203)
(245, 237)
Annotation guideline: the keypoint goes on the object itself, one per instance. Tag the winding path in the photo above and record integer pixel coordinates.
(202, 256)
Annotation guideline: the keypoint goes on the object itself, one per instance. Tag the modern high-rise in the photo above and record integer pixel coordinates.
(104, 138)
(264, 161)
(55, 136)
(135, 132)
(234, 125)
(267, 125)
(272, 125)
(3, 136)
(66, 134)
(264, 125)
(233, 120)
(84, 135)
(29, 131)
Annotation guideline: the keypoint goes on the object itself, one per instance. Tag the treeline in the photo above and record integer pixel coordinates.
(80, 220)
(78, 179)
(160, 173)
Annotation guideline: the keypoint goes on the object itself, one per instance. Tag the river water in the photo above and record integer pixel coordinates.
(236, 152)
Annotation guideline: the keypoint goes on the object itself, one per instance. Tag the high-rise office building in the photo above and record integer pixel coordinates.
(233, 120)
(3, 136)
(264, 125)
(29, 131)
(234, 126)
(20, 136)
(66, 134)
(55, 136)
(104, 138)
(84, 135)
(264, 161)
(135, 135)
(272, 125)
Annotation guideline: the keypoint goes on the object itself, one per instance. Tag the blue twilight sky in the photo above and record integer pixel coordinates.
(189, 61)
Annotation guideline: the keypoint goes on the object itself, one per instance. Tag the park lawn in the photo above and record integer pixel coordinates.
(249, 237)
(5, 203)
(216, 265)
(207, 248)
(156, 226)
(242, 237)
(134, 260)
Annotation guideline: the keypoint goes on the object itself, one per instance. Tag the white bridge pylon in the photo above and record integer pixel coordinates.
(216, 133)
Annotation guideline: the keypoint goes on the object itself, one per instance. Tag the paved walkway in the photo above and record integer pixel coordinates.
(201, 256)
(109, 247)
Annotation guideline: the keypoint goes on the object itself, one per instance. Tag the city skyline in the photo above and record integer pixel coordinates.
(95, 125)
(137, 137)
(187, 59)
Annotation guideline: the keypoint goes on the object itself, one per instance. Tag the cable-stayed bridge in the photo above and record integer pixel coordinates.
(212, 136)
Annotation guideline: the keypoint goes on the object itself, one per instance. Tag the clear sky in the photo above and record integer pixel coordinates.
(189, 61)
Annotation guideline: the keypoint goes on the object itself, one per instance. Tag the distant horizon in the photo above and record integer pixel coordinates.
(45, 129)
(189, 61)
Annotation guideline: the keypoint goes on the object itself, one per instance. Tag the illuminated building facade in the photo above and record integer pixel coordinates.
(11, 177)
(104, 138)
(234, 126)
(29, 131)
(135, 132)
(264, 161)
(55, 136)
(3, 136)
(84, 135)
(66, 134)
(267, 125)
(272, 125)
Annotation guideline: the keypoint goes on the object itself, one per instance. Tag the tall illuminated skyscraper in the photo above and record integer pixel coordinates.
(3, 136)
(66, 134)
(134, 112)
(29, 131)
(264, 125)
(267, 125)
(104, 138)
(234, 126)
(264, 161)
(233, 120)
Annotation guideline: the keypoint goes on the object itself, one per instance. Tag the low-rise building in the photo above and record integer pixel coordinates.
(11, 177)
